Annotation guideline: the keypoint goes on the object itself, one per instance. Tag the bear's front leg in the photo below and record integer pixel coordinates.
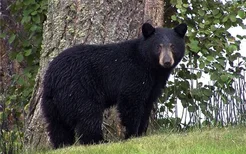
(145, 119)
(134, 91)
(131, 112)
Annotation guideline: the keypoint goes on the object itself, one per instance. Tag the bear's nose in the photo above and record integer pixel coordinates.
(167, 64)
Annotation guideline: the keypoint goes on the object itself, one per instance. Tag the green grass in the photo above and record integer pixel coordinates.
(213, 141)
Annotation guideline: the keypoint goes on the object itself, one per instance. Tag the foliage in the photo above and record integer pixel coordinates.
(209, 141)
(211, 52)
(23, 30)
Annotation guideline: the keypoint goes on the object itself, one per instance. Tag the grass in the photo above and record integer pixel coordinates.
(213, 141)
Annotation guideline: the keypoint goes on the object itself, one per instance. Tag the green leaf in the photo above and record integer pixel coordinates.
(216, 21)
(233, 18)
(218, 15)
(201, 65)
(173, 17)
(27, 12)
(225, 19)
(203, 106)
(207, 22)
(36, 19)
(207, 92)
(186, 5)
(199, 74)
(232, 47)
(2, 35)
(224, 78)
(210, 58)
(19, 57)
(26, 19)
(221, 61)
(201, 12)
(214, 76)
(28, 52)
(12, 38)
(201, 25)
(241, 14)
(28, 2)
(25, 43)
(29, 75)
(191, 108)
(34, 13)
(218, 66)
(213, 28)
(21, 81)
(215, 12)
(194, 46)
(33, 28)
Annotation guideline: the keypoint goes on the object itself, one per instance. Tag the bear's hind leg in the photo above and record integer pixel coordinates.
(89, 126)
(60, 134)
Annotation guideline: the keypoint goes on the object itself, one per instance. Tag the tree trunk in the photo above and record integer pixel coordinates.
(87, 22)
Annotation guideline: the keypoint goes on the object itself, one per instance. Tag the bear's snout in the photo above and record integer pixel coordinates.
(166, 56)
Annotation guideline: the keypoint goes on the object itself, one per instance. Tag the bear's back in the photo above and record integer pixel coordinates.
(94, 68)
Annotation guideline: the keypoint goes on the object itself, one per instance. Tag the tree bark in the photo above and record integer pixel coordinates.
(87, 22)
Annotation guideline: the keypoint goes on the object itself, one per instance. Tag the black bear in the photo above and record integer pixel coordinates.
(84, 80)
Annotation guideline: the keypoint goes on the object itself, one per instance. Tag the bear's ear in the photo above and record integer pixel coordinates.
(147, 30)
(181, 29)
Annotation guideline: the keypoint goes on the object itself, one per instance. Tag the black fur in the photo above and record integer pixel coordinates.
(84, 80)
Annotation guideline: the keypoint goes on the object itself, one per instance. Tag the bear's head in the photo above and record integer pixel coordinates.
(164, 47)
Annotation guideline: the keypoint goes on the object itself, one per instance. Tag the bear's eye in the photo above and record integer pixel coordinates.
(172, 47)
(160, 48)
